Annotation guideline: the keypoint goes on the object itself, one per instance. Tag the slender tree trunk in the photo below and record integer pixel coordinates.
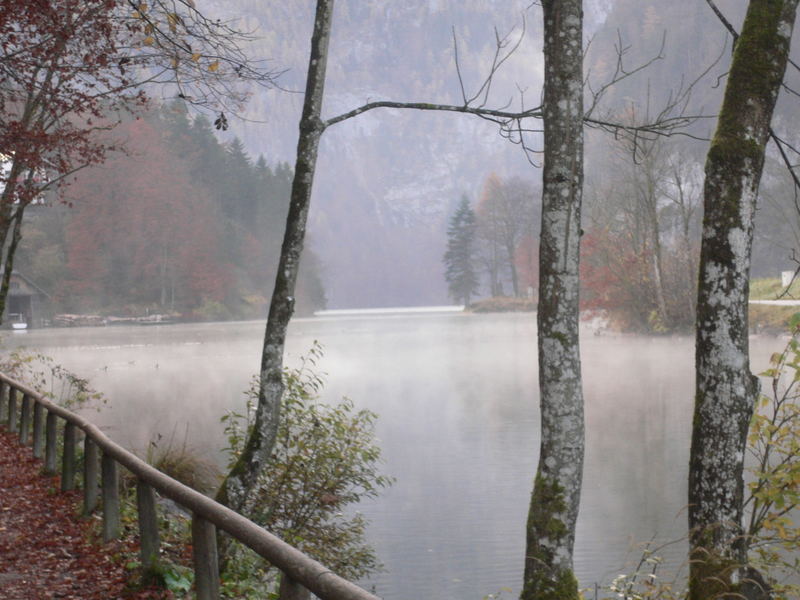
(163, 277)
(11, 214)
(8, 224)
(691, 272)
(512, 265)
(556, 493)
(497, 287)
(243, 478)
(725, 389)
(658, 277)
(655, 235)
(8, 264)
(688, 256)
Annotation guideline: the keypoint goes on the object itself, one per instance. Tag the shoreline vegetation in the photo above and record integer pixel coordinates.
(772, 318)
(764, 318)
(502, 304)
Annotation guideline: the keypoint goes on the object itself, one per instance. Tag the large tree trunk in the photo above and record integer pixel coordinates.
(725, 389)
(242, 479)
(556, 493)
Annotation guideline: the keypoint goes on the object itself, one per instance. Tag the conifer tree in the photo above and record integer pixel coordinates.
(459, 259)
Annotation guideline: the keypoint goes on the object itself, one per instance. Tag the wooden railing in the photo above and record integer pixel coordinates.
(37, 420)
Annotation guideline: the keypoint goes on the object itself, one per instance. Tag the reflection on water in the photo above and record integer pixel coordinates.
(457, 397)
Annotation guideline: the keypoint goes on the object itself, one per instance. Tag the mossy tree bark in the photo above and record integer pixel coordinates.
(556, 493)
(726, 390)
(243, 478)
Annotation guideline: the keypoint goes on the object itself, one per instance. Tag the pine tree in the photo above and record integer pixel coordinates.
(241, 185)
(459, 259)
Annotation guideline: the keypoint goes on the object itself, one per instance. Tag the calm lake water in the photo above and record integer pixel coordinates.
(457, 396)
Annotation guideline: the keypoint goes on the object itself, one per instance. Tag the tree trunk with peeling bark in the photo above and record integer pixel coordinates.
(242, 480)
(726, 390)
(556, 494)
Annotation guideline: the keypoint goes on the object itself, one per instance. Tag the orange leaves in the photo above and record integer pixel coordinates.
(43, 547)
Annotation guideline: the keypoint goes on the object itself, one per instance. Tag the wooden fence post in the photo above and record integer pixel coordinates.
(3, 403)
(291, 590)
(111, 520)
(38, 430)
(51, 443)
(25, 420)
(68, 459)
(148, 526)
(12, 410)
(206, 561)
(90, 479)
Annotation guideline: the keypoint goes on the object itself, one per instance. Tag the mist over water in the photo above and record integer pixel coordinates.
(457, 396)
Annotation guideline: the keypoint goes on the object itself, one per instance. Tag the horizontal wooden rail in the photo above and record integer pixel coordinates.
(299, 570)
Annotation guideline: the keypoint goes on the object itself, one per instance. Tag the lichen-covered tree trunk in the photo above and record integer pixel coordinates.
(726, 390)
(556, 493)
(242, 479)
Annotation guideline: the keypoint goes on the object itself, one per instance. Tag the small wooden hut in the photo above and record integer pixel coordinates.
(26, 303)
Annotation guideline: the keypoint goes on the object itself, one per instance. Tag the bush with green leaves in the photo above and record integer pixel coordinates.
(773, 518)
(325, 460)
(50, 379)
(772, 501)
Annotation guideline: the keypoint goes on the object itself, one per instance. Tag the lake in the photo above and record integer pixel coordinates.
(457, 399)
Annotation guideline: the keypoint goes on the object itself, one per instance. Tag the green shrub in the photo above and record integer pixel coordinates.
(773, 519)
(325, 460)
(772, 499)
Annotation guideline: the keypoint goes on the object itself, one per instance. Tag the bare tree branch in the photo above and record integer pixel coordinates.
(498, 115)
(670, 120)
(203, 59)
(620, 72)
(724, 21)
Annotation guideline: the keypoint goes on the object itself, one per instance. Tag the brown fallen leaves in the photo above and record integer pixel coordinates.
(45, 547)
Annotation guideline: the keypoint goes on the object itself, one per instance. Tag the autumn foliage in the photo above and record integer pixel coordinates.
(61, 72)
(178, 223)
(142, 231)
(617, 280)
(46, 550)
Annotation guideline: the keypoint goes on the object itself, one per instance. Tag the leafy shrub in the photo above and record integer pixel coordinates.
(52, 380)
(325, 459)
(772, 523)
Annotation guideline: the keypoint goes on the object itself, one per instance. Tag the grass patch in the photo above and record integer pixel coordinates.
(502, 304)
(765, 318)
(770, 288)
(184, 463)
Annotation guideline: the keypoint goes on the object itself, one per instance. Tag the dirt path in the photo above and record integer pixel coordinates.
(45, 550)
